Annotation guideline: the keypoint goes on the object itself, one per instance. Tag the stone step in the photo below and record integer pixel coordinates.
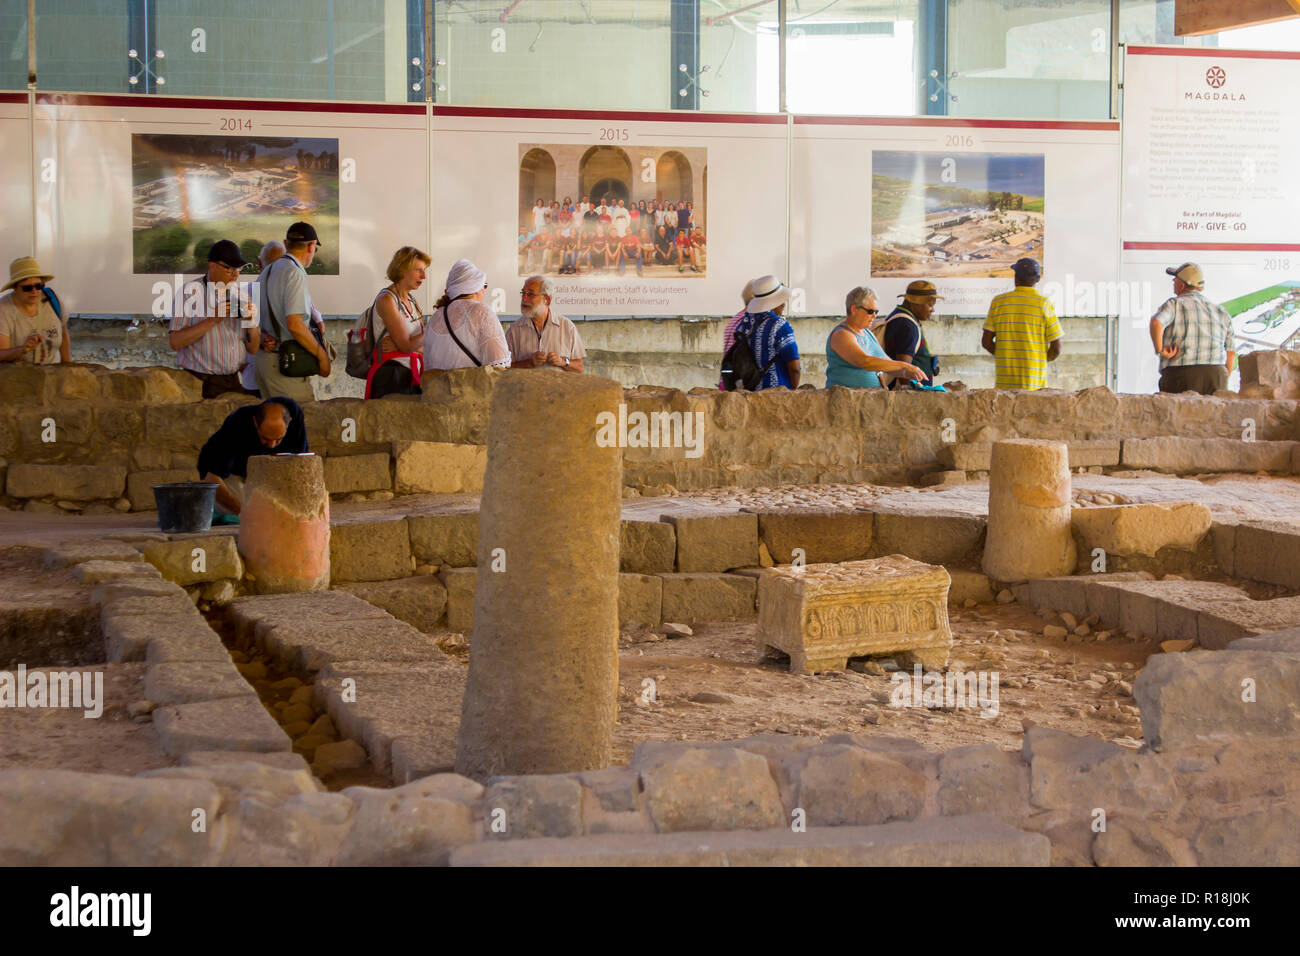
(406, 715)
(1194, 456)
(938, 841)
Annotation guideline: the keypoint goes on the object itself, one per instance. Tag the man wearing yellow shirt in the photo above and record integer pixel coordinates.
(1022, 332)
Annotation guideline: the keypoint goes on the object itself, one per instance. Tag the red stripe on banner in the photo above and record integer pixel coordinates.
(671, 116)
(196, 103)
(13, 97)
(1095, 126)
(1213, 51)
(1218, 246)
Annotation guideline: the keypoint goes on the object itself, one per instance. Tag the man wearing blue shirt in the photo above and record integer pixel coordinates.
(770, 336)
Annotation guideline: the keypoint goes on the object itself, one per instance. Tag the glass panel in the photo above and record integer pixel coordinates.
(853, 57)
(1007, 58)
(738, 56)
(588, 54)
(13, 46)
(281, 49)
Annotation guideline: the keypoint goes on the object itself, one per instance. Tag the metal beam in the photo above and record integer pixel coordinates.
(684, 45)
(932, 24)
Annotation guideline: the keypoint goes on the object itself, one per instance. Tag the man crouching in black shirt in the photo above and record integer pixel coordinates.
(276, 426)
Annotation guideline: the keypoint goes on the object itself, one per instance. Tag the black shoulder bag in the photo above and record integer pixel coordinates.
(447, 320)
(295, 360)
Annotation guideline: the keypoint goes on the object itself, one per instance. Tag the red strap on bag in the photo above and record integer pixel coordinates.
(417, 365)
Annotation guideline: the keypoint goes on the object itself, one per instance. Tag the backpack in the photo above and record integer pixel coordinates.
(739, 367)
(361, 341)
(53, 300)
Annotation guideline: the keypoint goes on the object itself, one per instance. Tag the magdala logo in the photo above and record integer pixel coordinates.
(1215, 77)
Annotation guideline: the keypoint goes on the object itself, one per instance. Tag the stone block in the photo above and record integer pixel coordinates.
(711, 789)
(640, 598)
(1225, 623)
(1131, 841)
(310, 646)
(715, 542)
(1191, 456)
(307, 829)
(68, 819)
(1142, 529)
(824, 614)
(278, 760)
(445, 539)
(192, 681)
(78, 552)
(461, 584)
(969, 586)
(937, 841)
(345, 473)
(418, 824)
(540, 805)
(255, 615)
(232, 776)
(196, 560)
(139, 485)
(70, 482)
(183, 639)
(1197, 697)
(97, 572)
(1260, 838)
(128, 637)
(983, 779)
(966, 456)
(647, 547)
(1287, 641)
(420, 601)
(1267, 551)
(956, 540)
(1275, 368)
(440, 468)
(238, 723)
(825, 537)
(1078, 773)
(1094, 454)
(370, 551)
(842, 785)
(690, 598)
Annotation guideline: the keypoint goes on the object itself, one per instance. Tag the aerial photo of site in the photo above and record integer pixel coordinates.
(1270, 315)
(189, 191)
(964, 214)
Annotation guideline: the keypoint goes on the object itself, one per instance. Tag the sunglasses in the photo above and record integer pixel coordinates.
(32, 287)
(869, 311)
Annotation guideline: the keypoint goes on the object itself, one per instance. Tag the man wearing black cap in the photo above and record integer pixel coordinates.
(206, 326)
(1022, 331)
(286, 312)
(1192, 336)
(904, 339)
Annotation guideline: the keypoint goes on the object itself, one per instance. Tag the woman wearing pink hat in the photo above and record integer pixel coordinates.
(30, 329)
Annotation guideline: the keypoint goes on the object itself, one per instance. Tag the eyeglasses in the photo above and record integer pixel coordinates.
(531, 295)
(868, 311)
(32, 287)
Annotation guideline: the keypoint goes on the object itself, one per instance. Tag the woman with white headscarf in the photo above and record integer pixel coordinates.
(464, 332)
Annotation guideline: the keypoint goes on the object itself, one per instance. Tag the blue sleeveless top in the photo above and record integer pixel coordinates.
(840, 372)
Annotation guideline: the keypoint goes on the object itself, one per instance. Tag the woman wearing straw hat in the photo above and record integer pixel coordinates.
(30, 329)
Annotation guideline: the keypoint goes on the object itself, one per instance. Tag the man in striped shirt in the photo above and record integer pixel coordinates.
(1021, 331)
(207, 329)
(1192, 336)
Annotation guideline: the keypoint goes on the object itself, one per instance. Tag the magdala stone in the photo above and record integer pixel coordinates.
(842, 785)
(561, 550)
(711, 789)
(1142, 529)
(195, 560)
(65, 818)
(647, 547)
(1207, 696)
(822, 537)
(824, 614)
(715, 542)
(692, 598)
(284, 528)
(1029, 512)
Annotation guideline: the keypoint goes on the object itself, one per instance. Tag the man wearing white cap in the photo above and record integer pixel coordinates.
(31, 330)
(464, 332)
(770, 336)
(1192, 336)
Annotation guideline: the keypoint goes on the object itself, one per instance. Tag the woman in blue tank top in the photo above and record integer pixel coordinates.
(853, 356)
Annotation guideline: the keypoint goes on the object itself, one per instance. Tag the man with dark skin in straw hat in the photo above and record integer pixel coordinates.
(904, 340)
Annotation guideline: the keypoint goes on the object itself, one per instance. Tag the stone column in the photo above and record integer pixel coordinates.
(1029, 511)
(284, 526)
(543, 662)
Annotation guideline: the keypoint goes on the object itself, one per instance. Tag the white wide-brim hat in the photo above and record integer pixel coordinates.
(769, 293)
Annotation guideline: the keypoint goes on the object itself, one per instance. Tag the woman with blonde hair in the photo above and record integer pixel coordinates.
(464, 332)
(398, 362)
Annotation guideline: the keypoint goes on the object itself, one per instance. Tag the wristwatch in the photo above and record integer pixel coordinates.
(566, 361)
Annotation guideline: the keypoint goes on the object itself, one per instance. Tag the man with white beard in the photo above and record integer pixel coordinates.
(542, 337)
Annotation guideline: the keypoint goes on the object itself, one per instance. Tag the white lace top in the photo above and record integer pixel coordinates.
(477, 327)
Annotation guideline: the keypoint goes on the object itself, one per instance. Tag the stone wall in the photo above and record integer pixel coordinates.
(84, 433)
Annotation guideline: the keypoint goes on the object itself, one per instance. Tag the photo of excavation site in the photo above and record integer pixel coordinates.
(944, 215)
(1271, 314)
(189, 191)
